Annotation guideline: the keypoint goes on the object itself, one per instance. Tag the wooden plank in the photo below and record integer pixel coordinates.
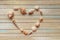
(45, 31)
(30, 21)
(21, 37)
(31, 17)
(40, 35)
(46, 12)
(29, 25)
(49, 30)
(28, 6)
(29, 2)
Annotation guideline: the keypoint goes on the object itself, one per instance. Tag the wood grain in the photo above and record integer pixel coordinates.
(49, 30)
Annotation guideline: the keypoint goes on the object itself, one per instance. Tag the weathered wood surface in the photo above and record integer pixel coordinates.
(50, 28)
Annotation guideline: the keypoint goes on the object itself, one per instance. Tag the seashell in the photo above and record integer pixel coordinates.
(31, 11)
(30, 33)
(34, 29)
(37, 8)
(11, 15)
(37, 24)
(25, 33)
(16, 8)
(41, 19)
(23, 11)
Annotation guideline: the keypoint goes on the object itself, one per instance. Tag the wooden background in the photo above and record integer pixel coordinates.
(50, 28)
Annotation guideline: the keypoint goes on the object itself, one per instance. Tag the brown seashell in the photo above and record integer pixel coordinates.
(23, 11)
(11, 15)
(30, 33)
(41, 19)
(41, 13)
(24, 32)
(13, 20)
(37, 24)
(31, 12)
(16, 8)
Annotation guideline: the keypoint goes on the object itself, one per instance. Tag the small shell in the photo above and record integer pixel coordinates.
(25, 33)
(21, 29)
(37, 8)
(30, 33)
(16, 8)
(23, 11)
(41, 19)
(37, 24)
(11, 15)
(34, 29)
(31, 11)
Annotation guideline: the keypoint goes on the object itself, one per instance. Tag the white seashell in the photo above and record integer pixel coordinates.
(21, 29)
(34, 29)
